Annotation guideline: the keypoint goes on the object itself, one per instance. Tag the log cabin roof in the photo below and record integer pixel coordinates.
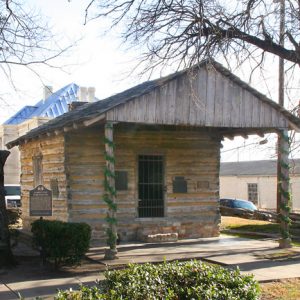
(222, 100)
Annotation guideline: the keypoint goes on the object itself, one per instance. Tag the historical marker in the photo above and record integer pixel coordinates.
(40, 202)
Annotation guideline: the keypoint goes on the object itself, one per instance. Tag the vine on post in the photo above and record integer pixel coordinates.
(109, 196)
(284, 216)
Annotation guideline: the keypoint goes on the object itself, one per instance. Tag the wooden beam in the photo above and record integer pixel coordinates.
(244, 135)
(77, 125)
(94, 120)
(230, 137)
(68, 128)
(57, 132)
(294, 127)
(261, 134)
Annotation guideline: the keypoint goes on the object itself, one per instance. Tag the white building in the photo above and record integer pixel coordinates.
(257, 181)
(52, 105)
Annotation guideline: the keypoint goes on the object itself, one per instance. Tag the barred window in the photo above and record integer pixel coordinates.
(151, 187)
(252, 193)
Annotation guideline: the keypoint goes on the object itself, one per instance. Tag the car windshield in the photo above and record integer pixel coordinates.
(244, 204)
(12, 190)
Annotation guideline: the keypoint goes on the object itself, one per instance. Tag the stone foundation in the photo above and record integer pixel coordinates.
(160, 238)
(150, 231)
(161, 231)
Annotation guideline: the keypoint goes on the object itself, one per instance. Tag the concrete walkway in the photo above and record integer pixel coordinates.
(252, 256)
(44, 288)
(262, 258)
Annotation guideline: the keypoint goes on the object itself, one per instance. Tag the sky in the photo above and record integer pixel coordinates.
(96, 60)
(102, 61)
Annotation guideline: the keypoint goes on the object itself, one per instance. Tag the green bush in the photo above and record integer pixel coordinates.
(13, 215)
(176, 280)
(61, 242)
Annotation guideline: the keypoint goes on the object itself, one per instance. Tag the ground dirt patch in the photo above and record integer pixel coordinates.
(282, 290)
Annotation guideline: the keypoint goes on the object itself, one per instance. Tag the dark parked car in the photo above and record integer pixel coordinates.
(238, 203)
(243, 208)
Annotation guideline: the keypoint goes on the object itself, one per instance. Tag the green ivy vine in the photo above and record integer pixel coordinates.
(285, 207)
(109, 194)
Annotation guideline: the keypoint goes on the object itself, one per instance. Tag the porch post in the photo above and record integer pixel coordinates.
(284, 147)
(110, 192)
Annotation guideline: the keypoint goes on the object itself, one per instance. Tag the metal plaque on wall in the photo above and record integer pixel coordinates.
(40, 202)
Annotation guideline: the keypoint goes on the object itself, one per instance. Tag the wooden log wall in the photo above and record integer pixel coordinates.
(189, 153)
(84, 170)
(53, 158)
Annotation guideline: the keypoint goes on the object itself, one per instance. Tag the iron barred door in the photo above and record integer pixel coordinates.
(150, 186)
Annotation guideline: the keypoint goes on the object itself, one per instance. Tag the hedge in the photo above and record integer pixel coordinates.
(176, 280)
(13, 215)
(61, 242)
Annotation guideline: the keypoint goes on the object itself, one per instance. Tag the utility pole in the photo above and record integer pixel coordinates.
(283, 149)
(280, 94)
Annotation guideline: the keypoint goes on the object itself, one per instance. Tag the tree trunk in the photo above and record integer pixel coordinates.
(6, 255)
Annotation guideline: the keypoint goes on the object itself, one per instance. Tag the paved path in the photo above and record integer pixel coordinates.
(249, 255)
(43, 288)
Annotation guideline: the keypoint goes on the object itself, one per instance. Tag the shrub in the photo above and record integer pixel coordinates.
(83, 293)
(13, 215)
(61, 242)
(176, 280)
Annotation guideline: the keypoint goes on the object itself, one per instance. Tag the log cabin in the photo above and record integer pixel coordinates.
(166, 137)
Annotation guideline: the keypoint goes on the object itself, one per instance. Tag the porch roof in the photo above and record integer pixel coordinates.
(207, 95)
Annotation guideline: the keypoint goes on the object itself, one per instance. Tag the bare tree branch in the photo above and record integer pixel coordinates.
(189, 30)
(25, 39)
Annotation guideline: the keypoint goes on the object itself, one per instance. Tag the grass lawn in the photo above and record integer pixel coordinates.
(247, 225)
(233, 222)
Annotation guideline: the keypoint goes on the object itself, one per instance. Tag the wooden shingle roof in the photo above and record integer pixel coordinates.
(115, 107)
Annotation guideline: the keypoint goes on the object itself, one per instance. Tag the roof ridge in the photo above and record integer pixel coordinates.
(91, 110)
